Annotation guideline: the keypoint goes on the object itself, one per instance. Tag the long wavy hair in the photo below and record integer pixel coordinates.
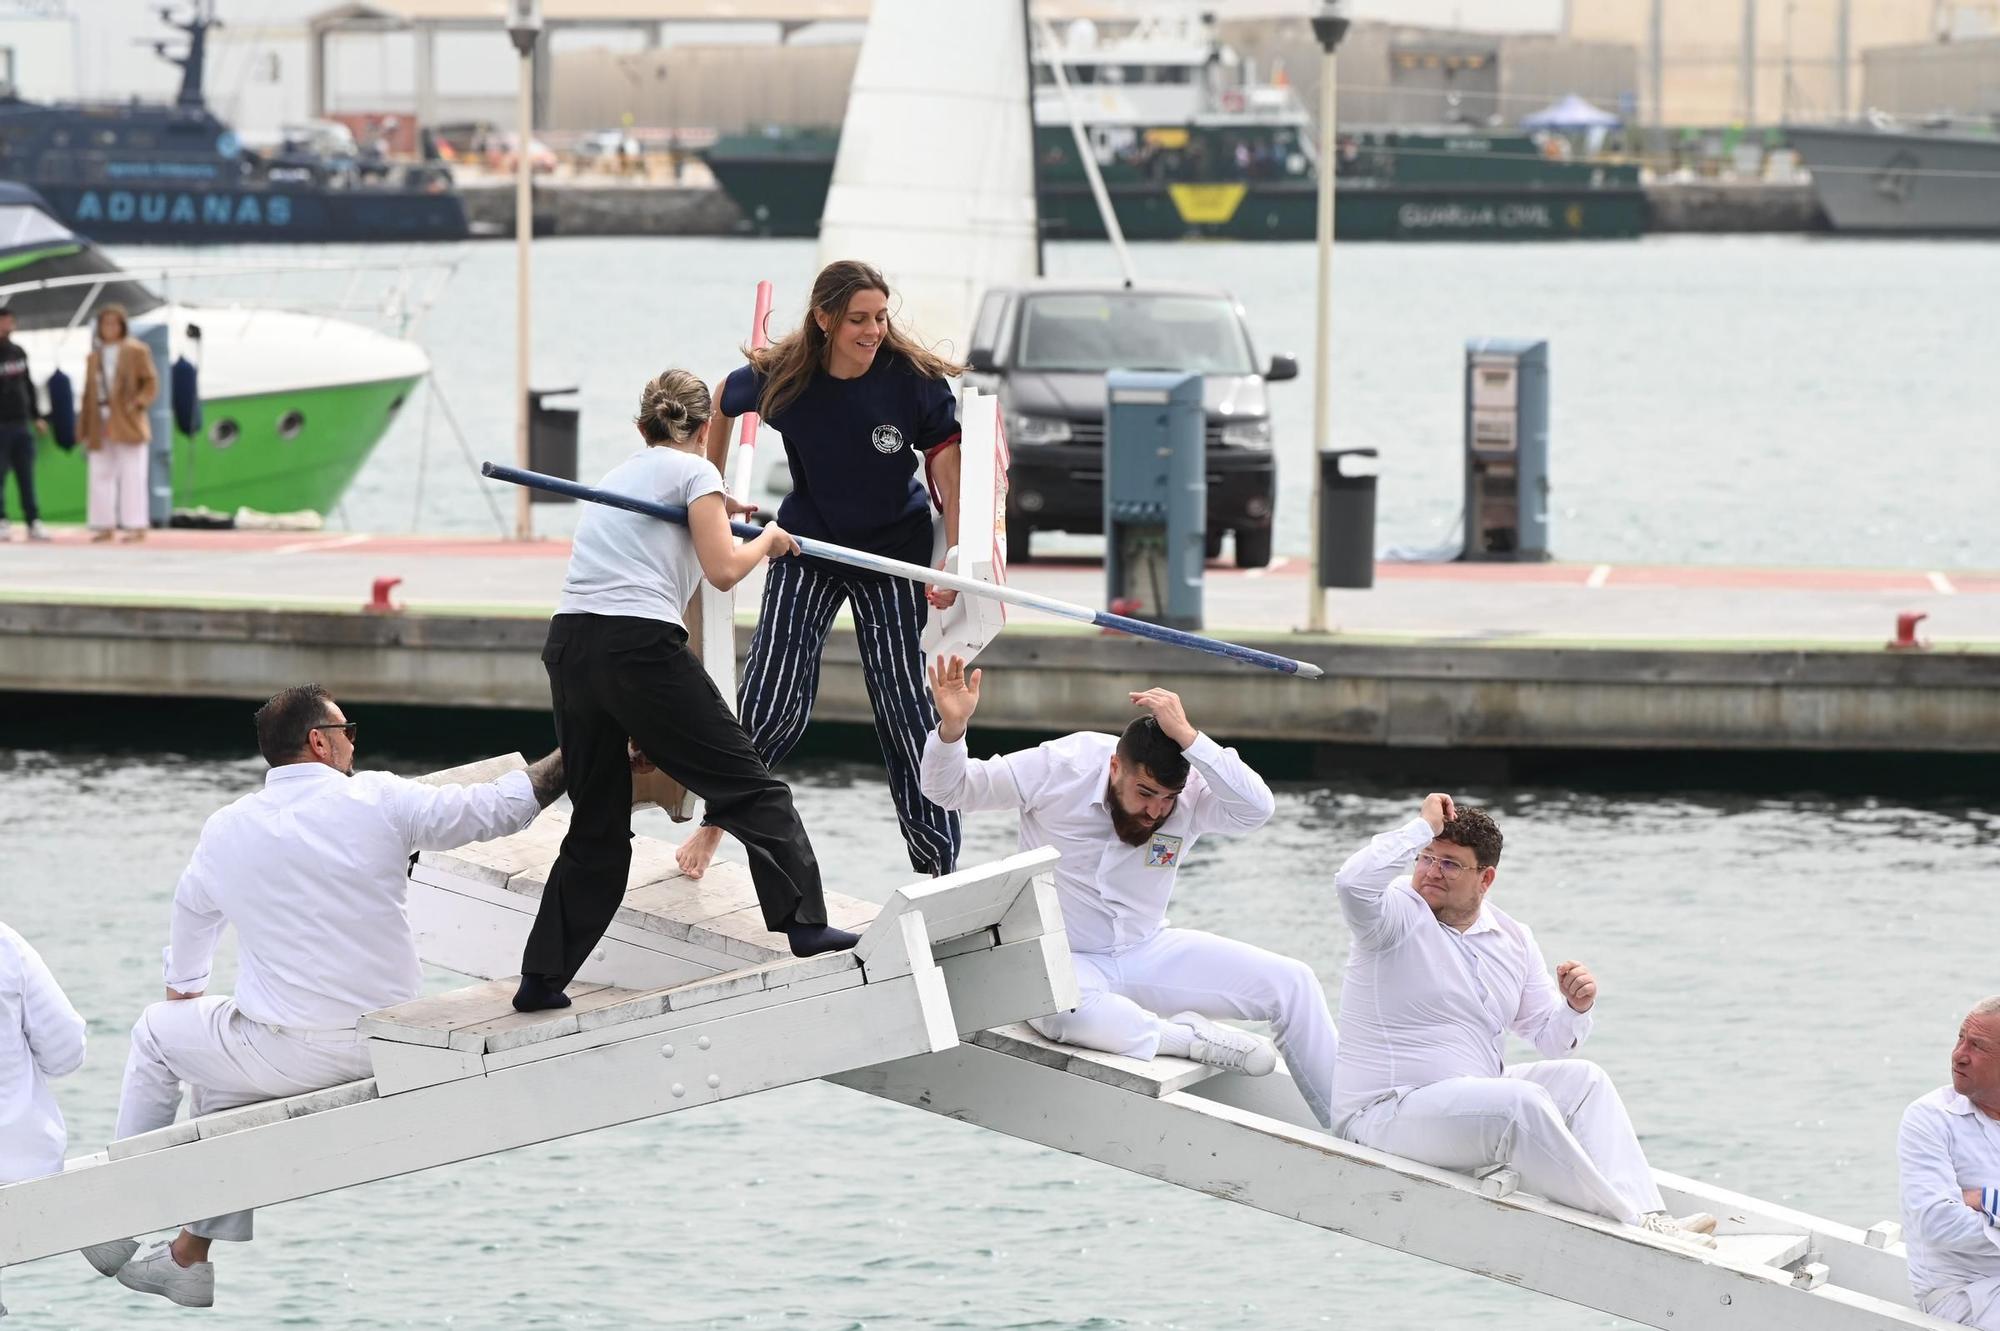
(789, 363)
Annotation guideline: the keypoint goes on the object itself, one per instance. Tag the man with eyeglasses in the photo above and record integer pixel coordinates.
(312, 870)
(1125, 811)
(1437, 977)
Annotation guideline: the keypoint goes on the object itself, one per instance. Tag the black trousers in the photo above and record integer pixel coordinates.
(611, 677)
(17, 454)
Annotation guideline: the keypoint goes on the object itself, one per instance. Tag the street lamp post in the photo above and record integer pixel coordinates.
(1329, 23)
(524, 26)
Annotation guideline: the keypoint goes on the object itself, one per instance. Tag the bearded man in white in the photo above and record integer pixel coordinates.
(1436, 978)
(1125, 811)
(1949, 1153)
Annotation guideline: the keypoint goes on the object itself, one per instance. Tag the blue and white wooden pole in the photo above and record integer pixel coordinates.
(861, 559)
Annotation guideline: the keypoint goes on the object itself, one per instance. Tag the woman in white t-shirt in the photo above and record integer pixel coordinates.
(619, 666)
(41, 1036)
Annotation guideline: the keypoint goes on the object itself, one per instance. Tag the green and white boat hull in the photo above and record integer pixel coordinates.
(292, 406)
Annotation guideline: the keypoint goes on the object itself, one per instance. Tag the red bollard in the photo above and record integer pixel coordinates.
(379, 602)
(1906, 639)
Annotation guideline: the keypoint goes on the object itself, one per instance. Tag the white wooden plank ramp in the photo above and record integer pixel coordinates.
(1771, 1269)
(460, 1074)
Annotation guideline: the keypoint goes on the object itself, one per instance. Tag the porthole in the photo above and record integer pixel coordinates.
(224, 432)
(291, 423)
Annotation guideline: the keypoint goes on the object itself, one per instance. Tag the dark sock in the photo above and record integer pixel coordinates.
(538, 992)
(809, 940)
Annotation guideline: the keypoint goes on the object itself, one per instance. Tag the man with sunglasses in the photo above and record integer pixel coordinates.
(1436, 979)
(1125, 811)
(312, 870)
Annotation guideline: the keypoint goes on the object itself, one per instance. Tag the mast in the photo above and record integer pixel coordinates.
(200, 19)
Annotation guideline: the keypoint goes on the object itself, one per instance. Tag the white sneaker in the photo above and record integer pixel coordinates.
(1222, 1046)
(5, 530)
(1659, 1222)
(158, 1273)
(36, 532)
(108, 1258)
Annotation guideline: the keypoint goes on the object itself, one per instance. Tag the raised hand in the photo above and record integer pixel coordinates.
(957, 695)
(1439, 810)
(1165, 705)
(1579, 986)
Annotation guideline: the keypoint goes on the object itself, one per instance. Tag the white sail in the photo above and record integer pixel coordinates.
(935, 180)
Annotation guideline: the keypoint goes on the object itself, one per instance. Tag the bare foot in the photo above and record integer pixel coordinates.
(698, 850)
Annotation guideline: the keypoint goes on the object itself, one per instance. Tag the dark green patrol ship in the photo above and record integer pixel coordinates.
(1189, 145)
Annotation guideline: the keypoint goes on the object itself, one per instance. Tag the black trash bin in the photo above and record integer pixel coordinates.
(552, 435)
(1346, 519)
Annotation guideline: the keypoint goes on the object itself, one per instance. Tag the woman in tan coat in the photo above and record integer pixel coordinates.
(114, 422)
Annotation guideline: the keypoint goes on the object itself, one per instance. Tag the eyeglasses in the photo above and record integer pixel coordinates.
(1442, 865)
(351, 727)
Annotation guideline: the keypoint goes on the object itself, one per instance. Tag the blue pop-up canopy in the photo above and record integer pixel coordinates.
(1572, 112)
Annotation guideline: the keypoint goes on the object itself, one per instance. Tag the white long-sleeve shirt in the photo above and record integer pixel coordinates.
(1421, 1001)
(41, 1036)
(1944, 1147)
(1114, 896)
(313, 872)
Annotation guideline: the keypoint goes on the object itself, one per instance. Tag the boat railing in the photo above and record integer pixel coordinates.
(399, 311)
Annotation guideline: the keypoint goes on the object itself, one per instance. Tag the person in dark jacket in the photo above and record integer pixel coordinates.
(21, 419)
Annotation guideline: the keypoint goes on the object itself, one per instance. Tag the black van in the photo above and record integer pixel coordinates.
(1044, 348)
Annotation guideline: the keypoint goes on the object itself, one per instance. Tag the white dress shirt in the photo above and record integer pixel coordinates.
(1114, 896)
(41, 1036)
(1944, 1147)
(1421, 1001)
(313, 872)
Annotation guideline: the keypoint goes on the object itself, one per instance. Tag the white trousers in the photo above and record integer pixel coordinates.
(1975, 1305)
(119, 476)
(1559, 1124)
(225, 1059)
(1185, 970)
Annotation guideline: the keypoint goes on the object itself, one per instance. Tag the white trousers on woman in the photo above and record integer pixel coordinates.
(1185, 970)
(226, 1060)
(1559, 1124)
(119, 477)
(1975, 1305)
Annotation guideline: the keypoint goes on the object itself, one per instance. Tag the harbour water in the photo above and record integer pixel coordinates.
(1739, 399)
(1780, 977)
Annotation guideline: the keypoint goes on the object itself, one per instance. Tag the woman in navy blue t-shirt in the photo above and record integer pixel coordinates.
(861, 405)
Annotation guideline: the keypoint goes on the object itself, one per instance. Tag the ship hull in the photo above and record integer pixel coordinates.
(198, 214)
(1884, 182)
(784, 195)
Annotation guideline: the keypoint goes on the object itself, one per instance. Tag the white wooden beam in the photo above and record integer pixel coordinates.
(729, 1056)
(1313, 1177)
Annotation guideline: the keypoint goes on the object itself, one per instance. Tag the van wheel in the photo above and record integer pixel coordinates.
(1253, 548)
(1019, 536)
(1211, 545)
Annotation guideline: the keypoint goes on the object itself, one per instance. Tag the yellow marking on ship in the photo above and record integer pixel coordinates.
(1203, 205)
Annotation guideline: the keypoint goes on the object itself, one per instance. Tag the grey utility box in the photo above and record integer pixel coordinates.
(1155, 495)
(1506, 450)
(552, 436)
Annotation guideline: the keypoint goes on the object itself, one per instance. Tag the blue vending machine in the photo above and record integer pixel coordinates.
(1506, 450)
(1155, 495)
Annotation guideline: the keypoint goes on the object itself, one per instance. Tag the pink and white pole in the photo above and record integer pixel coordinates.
(739, 478)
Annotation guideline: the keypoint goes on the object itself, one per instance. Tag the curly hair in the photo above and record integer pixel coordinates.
(673, 408)
(1474, 829)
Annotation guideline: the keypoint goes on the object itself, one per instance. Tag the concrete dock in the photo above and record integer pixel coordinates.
(1448, 656)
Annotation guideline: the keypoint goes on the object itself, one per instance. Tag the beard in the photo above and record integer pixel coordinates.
(1134, 829)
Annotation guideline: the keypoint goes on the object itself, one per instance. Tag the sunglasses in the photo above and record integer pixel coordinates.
(351, 727)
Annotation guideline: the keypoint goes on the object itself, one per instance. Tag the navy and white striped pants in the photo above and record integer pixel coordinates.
(781, 678)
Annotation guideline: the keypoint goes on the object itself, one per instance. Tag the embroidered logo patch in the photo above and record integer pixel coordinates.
(1164, 853)
(887, 439)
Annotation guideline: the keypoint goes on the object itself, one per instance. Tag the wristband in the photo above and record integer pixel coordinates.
(1989, 1202)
